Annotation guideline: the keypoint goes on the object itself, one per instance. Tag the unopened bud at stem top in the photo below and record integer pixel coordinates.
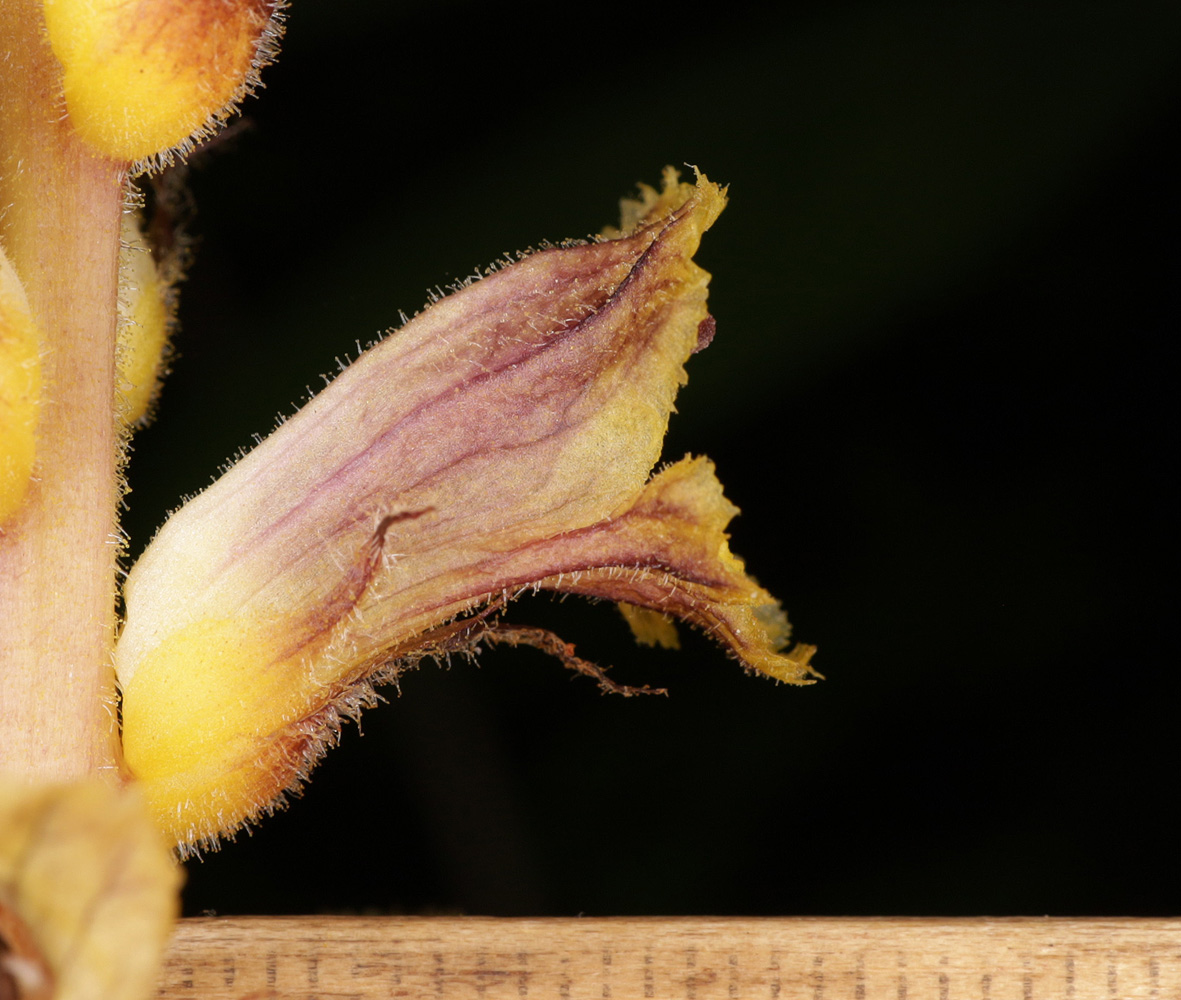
(145, 78)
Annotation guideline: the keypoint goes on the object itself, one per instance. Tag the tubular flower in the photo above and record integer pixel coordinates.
(503, 439)
(20, 390)
(144, 78)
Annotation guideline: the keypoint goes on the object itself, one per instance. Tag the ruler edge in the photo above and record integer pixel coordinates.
(912, 946)
(863, 931)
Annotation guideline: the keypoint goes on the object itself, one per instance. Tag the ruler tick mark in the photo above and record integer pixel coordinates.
(565, 983)
(523, 974)
(313, 976)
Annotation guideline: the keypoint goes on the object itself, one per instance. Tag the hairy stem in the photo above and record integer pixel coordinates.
(59, 223)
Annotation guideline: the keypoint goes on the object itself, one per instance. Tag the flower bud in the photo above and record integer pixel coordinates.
(145, 319)
(146, 78)
(20, 390)
(501, 440)
(88, 892)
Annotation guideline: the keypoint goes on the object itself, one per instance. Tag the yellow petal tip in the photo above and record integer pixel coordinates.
(650, 628)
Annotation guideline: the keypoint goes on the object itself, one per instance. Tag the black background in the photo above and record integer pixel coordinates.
(941, 392)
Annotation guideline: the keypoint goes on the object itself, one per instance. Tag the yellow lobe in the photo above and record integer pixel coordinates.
(20, 391)
(220, 729)
(145, 77)
(88, 886)
(144, 323)
(650, 628)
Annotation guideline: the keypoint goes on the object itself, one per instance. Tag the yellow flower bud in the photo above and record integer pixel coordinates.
(145, 319)
(20, 390)
(503, 439)
(145, 78)
(88, 892)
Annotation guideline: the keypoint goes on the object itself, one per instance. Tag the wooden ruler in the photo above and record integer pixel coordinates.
(679, 959)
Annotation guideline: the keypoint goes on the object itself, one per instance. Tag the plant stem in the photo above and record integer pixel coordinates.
(59, 222)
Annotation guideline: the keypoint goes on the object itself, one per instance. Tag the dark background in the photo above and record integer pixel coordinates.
(941, 392)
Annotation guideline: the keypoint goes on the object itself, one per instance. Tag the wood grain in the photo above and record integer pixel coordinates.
(682, 958)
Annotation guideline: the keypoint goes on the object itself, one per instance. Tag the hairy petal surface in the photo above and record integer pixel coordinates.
(502, 439)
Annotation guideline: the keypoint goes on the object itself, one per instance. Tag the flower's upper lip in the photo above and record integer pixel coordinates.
(507, 362)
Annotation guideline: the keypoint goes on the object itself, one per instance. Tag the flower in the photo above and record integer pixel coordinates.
(144, 79)
(88, 891)
(504, 439)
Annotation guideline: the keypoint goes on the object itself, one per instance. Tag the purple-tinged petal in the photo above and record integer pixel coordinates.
(502, 439)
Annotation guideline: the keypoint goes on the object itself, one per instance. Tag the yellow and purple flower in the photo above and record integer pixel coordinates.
(503, 439)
